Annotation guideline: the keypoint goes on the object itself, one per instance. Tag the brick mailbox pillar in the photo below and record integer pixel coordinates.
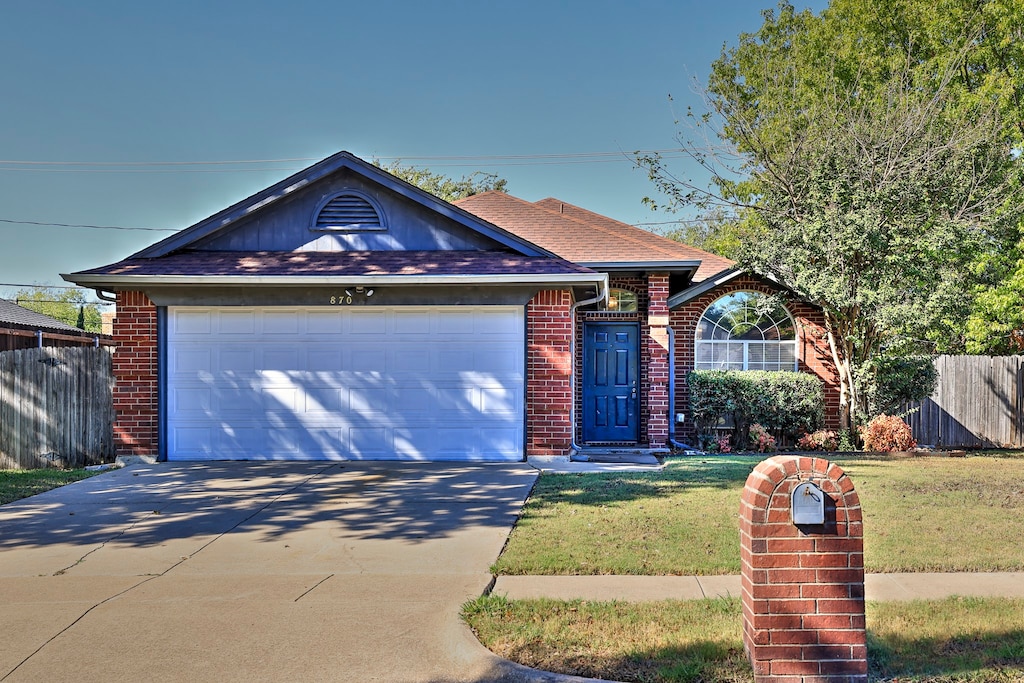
(803, 583)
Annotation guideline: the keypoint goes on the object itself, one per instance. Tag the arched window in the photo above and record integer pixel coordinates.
(745, 331)
(622, 300)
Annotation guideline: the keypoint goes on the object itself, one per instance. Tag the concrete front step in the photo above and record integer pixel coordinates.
(636, 456)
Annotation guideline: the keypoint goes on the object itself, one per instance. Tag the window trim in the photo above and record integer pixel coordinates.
(782, 344)
(636, 300)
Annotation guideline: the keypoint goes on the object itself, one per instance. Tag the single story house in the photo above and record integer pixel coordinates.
(343, 313)
(23, 328)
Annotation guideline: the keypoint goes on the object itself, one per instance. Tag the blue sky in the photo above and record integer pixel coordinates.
(109, 83)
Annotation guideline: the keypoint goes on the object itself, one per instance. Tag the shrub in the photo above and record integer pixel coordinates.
(785, 403)
(821, 440)
(887, 383)
(761, 440)
(886, 434)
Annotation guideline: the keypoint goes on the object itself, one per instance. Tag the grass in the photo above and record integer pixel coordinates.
(938, 641)
(18, 484)
(684, 520)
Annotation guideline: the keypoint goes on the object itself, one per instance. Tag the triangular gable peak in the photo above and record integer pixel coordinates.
(342, 203)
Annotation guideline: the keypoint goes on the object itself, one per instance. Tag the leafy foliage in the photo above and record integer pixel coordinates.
(996, 323)
(785, 403)
(442, 186)
(760, 440)
(869, 155)
(821, 440)
(885, 383)
(66, 305)
(715, 231)
(887, 434)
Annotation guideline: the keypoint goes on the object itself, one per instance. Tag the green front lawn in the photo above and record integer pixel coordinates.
(921, 514)
(17, 484)
(955, 640)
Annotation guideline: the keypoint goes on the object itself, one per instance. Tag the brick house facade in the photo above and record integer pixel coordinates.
(343, 313)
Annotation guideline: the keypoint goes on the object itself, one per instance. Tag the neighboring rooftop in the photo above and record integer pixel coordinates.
(13, 314)
(584, 237)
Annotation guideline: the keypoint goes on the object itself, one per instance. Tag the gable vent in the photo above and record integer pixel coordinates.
(349, 211)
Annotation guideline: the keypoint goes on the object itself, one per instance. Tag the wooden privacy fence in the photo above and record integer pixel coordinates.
(56, 407)
(978, 403)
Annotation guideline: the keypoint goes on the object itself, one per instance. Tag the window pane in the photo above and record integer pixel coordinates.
(748, 333)
(703, 352)
(622, 301)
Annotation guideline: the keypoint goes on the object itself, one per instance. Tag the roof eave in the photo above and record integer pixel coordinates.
(642, 266)
(137, 282)
(677, 300)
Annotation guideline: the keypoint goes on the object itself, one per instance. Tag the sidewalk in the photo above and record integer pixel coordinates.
(641, 588)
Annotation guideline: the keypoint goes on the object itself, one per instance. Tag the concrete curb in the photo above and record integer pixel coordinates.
(882, 587)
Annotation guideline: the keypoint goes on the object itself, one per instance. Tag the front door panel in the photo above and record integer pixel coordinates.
(610, 382)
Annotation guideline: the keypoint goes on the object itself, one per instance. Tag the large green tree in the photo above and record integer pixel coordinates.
(440, 185)
(870, 152)
(70, 306)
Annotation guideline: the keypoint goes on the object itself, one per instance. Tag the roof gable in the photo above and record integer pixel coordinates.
(283, 217)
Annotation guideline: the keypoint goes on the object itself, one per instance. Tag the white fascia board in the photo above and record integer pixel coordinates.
(640, 265)
(134, 282)
(682, 297)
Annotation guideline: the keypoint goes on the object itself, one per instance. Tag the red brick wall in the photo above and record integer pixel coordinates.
(802, 587)
(135, 375)
(549, 366)
(812, 347)
(656, 388)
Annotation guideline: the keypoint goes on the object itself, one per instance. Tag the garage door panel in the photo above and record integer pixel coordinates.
(328, 383)
(241, 322)
(323, 322)
(192, 322)
(277, 322)
(368, 321)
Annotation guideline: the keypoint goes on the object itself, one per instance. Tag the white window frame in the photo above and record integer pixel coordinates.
(734, 354)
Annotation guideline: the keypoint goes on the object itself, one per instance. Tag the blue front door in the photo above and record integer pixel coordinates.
(610, 382)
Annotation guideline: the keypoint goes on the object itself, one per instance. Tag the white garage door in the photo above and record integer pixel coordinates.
(408, 383)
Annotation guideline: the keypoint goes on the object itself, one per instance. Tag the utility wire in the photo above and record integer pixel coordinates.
(85, 225)
(468, 158)
(487, 160)
(22, 284)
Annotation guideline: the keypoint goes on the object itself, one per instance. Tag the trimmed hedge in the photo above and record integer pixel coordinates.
(784, 403)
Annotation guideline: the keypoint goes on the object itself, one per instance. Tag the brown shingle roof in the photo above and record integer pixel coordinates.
(583, 236)
(339, 263)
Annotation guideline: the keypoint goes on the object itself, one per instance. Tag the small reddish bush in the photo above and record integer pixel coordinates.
(761, 440)
(886, 434)
(821, 440)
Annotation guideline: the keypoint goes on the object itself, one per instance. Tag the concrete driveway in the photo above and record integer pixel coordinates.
(256, 572)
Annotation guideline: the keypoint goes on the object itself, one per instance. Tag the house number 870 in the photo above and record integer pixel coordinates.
(338, 300)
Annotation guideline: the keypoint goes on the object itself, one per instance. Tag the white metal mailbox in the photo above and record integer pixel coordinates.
(808, 504)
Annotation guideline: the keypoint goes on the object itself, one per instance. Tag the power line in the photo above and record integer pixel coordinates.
(58, 301)
(22, 284)
(85, 225)
(30, 165)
